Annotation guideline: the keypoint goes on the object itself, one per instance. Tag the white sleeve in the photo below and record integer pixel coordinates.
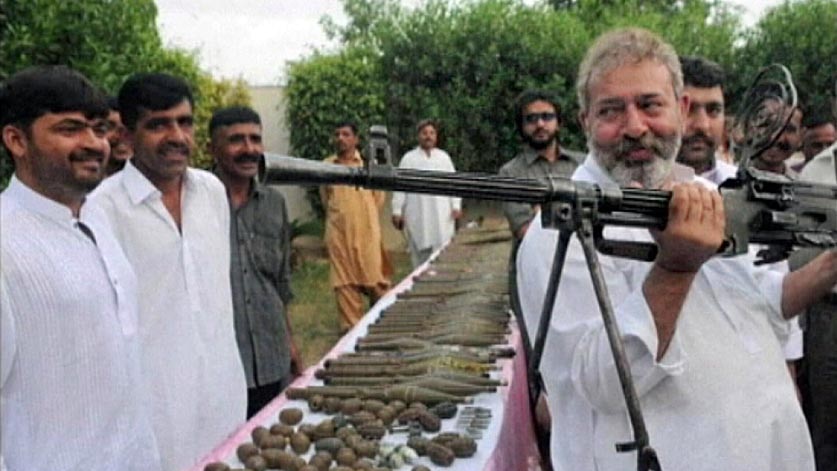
(577, 342)
(398, 197)
(8, 344)
(455, 203)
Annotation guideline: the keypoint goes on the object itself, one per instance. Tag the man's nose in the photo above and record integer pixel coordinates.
(699, 120)
(635, 125)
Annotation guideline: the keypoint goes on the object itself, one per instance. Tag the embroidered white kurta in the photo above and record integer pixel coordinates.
(720, 398)
(189, 353)
(70, 387)
(427, 217)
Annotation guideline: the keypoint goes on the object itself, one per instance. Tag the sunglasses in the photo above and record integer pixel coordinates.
(533, 118)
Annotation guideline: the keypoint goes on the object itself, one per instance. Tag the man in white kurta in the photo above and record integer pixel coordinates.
(429, 220)
(701, 334)
(181, 254)
(71, 396)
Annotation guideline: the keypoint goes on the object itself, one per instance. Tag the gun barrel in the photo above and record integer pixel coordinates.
(646, 207)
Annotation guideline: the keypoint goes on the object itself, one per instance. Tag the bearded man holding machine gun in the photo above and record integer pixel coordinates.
(701, 333)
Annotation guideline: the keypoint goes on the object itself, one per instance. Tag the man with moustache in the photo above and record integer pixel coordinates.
(120, 148)
(818, 133)
(699, 334)
(260, 262)
(430, 220)
(538, 121)
(775, 159)
(71, 392)
(360, 265)
(173, 222)
(704, 84)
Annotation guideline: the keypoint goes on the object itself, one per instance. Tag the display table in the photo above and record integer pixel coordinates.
(507, 444)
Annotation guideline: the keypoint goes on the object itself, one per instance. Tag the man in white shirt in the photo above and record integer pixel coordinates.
(703, 82)
(430, 220)
(173, 223)
(699, 334)
(71, 396)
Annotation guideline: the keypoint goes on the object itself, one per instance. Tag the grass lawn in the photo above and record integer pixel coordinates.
(313, 312)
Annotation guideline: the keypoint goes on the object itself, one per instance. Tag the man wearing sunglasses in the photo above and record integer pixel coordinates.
(538, 120)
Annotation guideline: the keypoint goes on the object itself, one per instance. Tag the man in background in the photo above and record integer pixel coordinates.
(173, 223)
(359, 264)
(71, 390)
(703, 82)
(120, 147)
(260, 257)
(818, 133)
(430, 220)
(700, 332)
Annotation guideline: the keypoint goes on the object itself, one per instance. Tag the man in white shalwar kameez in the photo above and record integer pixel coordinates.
(701, 333)
(430, 220)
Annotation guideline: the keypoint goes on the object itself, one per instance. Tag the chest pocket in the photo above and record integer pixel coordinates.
(266, 247)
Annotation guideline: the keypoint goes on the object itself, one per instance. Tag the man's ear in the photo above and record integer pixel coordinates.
(15, 140)
(683, 104)
(582, 119)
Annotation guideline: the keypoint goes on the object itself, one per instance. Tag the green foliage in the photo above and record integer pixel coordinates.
(802, 35)
(107, 41)
(463, 63)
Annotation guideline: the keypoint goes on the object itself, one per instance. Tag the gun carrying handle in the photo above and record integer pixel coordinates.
(642, 251)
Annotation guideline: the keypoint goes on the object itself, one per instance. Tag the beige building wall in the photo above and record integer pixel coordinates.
(269, 103)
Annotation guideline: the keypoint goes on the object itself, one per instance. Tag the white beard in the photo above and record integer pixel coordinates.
(648, 174)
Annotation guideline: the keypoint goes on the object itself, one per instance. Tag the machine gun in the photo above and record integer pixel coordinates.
(760, 208)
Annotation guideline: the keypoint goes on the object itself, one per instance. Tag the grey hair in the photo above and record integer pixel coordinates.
(625, 46)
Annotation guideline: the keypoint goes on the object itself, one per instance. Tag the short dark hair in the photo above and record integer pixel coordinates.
(153, 92)
(816, 117)
(113, 103)
(233, 115)
(427, 122)
(36, 91)
(530, 96)
(701, 72)
(347, 124)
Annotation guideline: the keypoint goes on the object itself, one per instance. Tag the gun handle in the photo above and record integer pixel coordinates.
(642, 251)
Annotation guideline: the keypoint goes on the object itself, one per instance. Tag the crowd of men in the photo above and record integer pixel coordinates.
(144, 316)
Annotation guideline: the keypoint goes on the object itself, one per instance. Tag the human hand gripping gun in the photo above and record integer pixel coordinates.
(763, 209)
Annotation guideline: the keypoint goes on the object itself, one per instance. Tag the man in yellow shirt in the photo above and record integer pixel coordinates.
(359, 264)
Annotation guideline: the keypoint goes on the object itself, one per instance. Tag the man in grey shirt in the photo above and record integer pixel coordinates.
(260, 257)
(538, 120)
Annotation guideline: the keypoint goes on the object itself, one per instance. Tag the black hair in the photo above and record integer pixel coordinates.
(113, 103)
(816, 117)
(701, 72)
(530, 96)
(36, 91)
(347, 124)
(233, 115)
(151, 92)
(427, 122)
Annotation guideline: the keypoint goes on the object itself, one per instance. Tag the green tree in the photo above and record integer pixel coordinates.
(802, 35)
(464, 62)
(107, 41)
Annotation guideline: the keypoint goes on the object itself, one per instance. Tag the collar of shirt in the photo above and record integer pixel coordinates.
(140, 188)
(356, 159)
(28, 198)
(531, 156)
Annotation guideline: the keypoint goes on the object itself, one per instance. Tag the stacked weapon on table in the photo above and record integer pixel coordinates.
(762, 208)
